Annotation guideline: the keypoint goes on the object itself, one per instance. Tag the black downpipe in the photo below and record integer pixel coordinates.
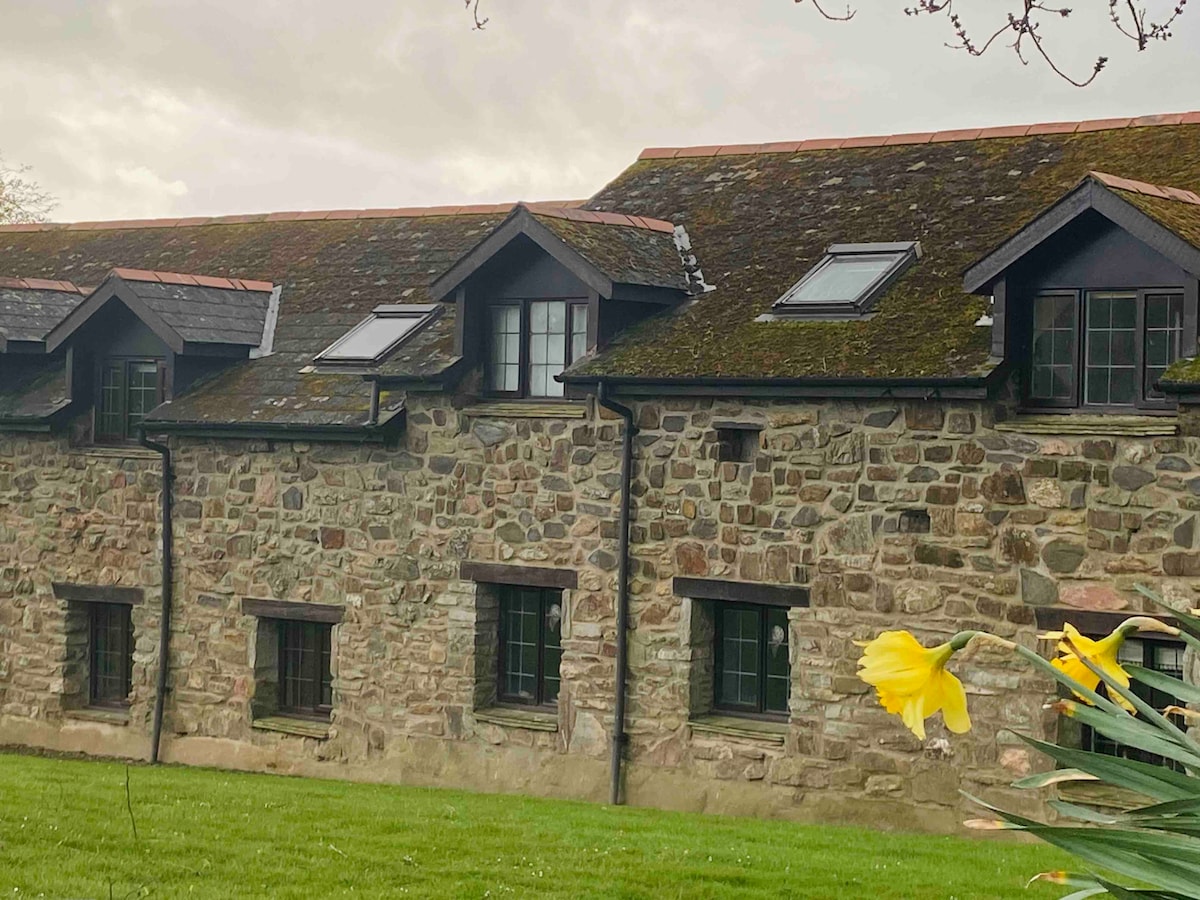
(164, 629)
(622, 662)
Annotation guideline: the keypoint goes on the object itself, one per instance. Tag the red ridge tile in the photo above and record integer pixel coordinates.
(739, 149)
(780, 147)
(1102, 125)
(915, 137)
(685, 152)
(1004, 131)
(962, 134)
(870, 141)
(1052, 128)
(658, 153)
(821, 144)
(1147, 121)
(214, 281)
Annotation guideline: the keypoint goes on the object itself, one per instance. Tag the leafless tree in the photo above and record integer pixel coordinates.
(1018, 25)
(22, 199)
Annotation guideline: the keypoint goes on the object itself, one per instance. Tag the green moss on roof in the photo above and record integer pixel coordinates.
(626, 255)
(332, 273)
(759, 222)
(1181, 218)
(1183, 372)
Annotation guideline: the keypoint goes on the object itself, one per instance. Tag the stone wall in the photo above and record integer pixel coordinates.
(925, 516)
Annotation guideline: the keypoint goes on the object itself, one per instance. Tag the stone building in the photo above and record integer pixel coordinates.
(471, 496)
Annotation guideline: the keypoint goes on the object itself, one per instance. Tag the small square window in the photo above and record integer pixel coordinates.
(737, 444)
(379, 334)
(293, 669)
(847, 280)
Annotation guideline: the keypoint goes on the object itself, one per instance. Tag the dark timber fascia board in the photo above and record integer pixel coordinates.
(519, 222)
(740, 591)
(113, 287)
(98, 593)
(278, 431)
(972, 387)
(292, 611)
(527, 576)
(1094, 623)
(1088, 195)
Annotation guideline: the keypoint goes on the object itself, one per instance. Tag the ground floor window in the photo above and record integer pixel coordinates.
(305, 669)
(1160, 656)
(752, 673)
(110, 654)
(530, 645)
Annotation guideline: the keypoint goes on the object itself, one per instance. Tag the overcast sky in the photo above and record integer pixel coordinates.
(132, 108)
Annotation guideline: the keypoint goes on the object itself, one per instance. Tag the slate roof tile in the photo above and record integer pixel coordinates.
(760, 222)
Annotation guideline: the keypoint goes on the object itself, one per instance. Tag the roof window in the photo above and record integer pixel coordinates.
(847, 280)
(379, 334)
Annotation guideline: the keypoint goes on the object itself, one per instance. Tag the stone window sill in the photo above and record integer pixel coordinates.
(531, 720)
(1078, 423)
(528, 409)
(287, 725)
(119, 453)
(96, 714)
(736, 726)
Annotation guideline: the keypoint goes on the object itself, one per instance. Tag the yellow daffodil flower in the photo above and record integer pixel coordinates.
(1102, 654)
(912, 681)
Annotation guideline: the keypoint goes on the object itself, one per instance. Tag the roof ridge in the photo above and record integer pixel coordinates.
(926, 137)
(401, 212)
(596, 217)
(1133, 186)
(212, 281)
(40, 284)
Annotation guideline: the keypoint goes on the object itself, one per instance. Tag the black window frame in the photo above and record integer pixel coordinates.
(1096, 743)
(110, 622)
(127, 433)
(546, 598)
(525, 338)
(904, 254)
(759, 709)
(1146, 400)
(315, 646)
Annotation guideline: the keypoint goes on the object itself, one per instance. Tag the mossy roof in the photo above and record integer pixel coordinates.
(29, 314)
(332, 273)
(759, 221)
(627, 254)
(34, 387)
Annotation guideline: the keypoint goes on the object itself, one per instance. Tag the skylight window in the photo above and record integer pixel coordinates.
(379, 334)
(847, 280)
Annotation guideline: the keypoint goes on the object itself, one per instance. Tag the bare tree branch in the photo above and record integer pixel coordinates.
(22, 200)
(1023, 25)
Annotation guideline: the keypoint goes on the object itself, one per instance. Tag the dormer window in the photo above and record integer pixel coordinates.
(847, 281)
(1104, 349)
(532, 341)
(375, 337)
(128, 390)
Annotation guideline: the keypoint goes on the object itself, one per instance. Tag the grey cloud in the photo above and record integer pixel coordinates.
(144, 107)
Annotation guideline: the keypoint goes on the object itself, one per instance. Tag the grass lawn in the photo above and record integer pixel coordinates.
(65, 832)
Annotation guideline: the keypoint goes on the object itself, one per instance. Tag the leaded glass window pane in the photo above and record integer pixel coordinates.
(530, 644)
(1053, 366)
(1160, 656)
(547, 347)
(579, 319)
(1163, 337)
(1111, 352)
(504, 360)
(142, 393)
(111, 654)
(110, 414)
(778, 668)
(305, 673)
